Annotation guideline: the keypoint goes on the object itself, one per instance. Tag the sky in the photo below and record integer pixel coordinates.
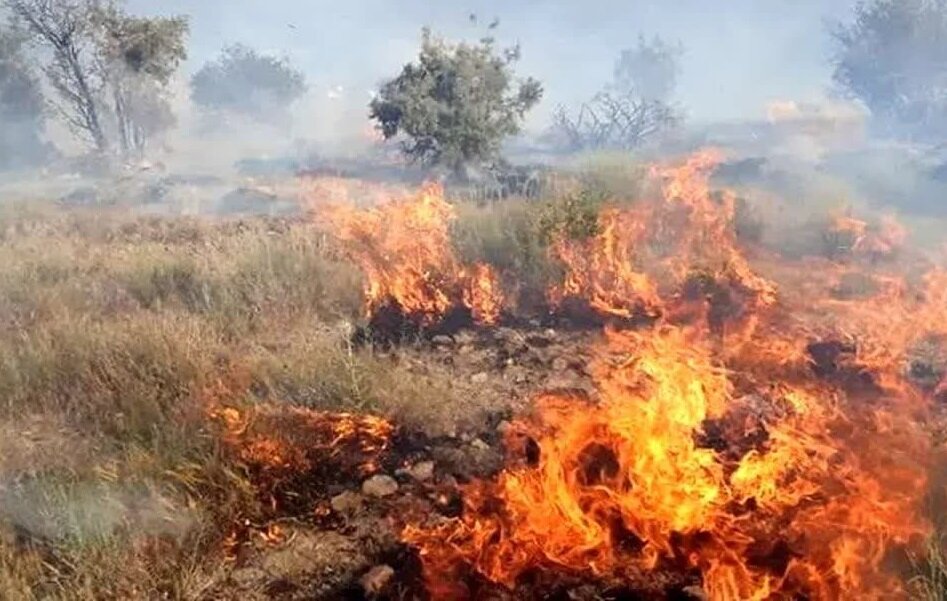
(739, 54)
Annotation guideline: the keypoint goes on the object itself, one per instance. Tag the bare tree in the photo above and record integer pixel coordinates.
(631, 108)
(612, 121)
(64, 26)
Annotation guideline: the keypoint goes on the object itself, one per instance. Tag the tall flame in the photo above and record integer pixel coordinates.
(403, 248)
(642, 253)
(776, 449)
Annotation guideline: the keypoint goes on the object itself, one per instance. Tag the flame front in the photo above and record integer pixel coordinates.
(642, 254)
(404, 250)
(772, 443)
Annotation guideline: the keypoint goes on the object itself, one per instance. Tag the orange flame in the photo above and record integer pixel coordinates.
(644, 253)
(626, 485)
(404, 250)
(746, 448)
(863, 240)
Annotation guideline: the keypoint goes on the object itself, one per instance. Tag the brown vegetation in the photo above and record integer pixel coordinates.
(187, 410)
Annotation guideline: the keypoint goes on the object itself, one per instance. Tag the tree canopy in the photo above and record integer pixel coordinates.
(244, 81)
(649, 70)
(22, 108)
(893, 58)
(456, 103)
(110, 71)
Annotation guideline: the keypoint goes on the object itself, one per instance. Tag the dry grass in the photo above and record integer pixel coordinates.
(930, 580)
(112, 482)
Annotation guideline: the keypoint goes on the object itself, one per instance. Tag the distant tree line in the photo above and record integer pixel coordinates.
(243, 81)
(893, 58)
(107, 75)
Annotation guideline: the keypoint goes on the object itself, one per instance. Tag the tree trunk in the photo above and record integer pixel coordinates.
(90, 111)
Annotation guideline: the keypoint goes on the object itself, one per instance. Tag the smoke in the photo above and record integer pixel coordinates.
(51, 510)
(737, 55)
(755, 78)
(736, 58)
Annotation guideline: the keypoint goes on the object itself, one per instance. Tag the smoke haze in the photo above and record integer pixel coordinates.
(738, 55)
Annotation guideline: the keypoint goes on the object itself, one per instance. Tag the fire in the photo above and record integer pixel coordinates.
(644, 254)
(628, 485)
(282, 445)
(774, 447)
(404, 250)
(274, 438)
(862, 240)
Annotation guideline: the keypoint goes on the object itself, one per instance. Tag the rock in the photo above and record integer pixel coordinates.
(376, 580)
(696, 593)
(319, 564)
(422, 471)
(480, 378)
(517, 374)
(247, 577)
(84, 196)
(470, 461)
(380, 486)
(442, 340)
(480, 445)
(347, 503)
(503, 427)
(464, 338)
(537, 340)
(560, 364)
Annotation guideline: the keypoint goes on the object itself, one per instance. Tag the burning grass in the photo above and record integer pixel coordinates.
(623, 490)
(112, 326)
(182, 400)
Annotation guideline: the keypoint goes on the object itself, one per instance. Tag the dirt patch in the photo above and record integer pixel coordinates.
(335, 535)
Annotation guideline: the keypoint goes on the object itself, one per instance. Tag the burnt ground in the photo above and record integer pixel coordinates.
(333, 533)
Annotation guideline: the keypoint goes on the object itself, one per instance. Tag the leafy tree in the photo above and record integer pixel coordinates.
(893, 58)
(139, 57)
(649, 70)
(66, 28)
(110, 70)
(246, 82)
(456, 104)
(22, 108)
